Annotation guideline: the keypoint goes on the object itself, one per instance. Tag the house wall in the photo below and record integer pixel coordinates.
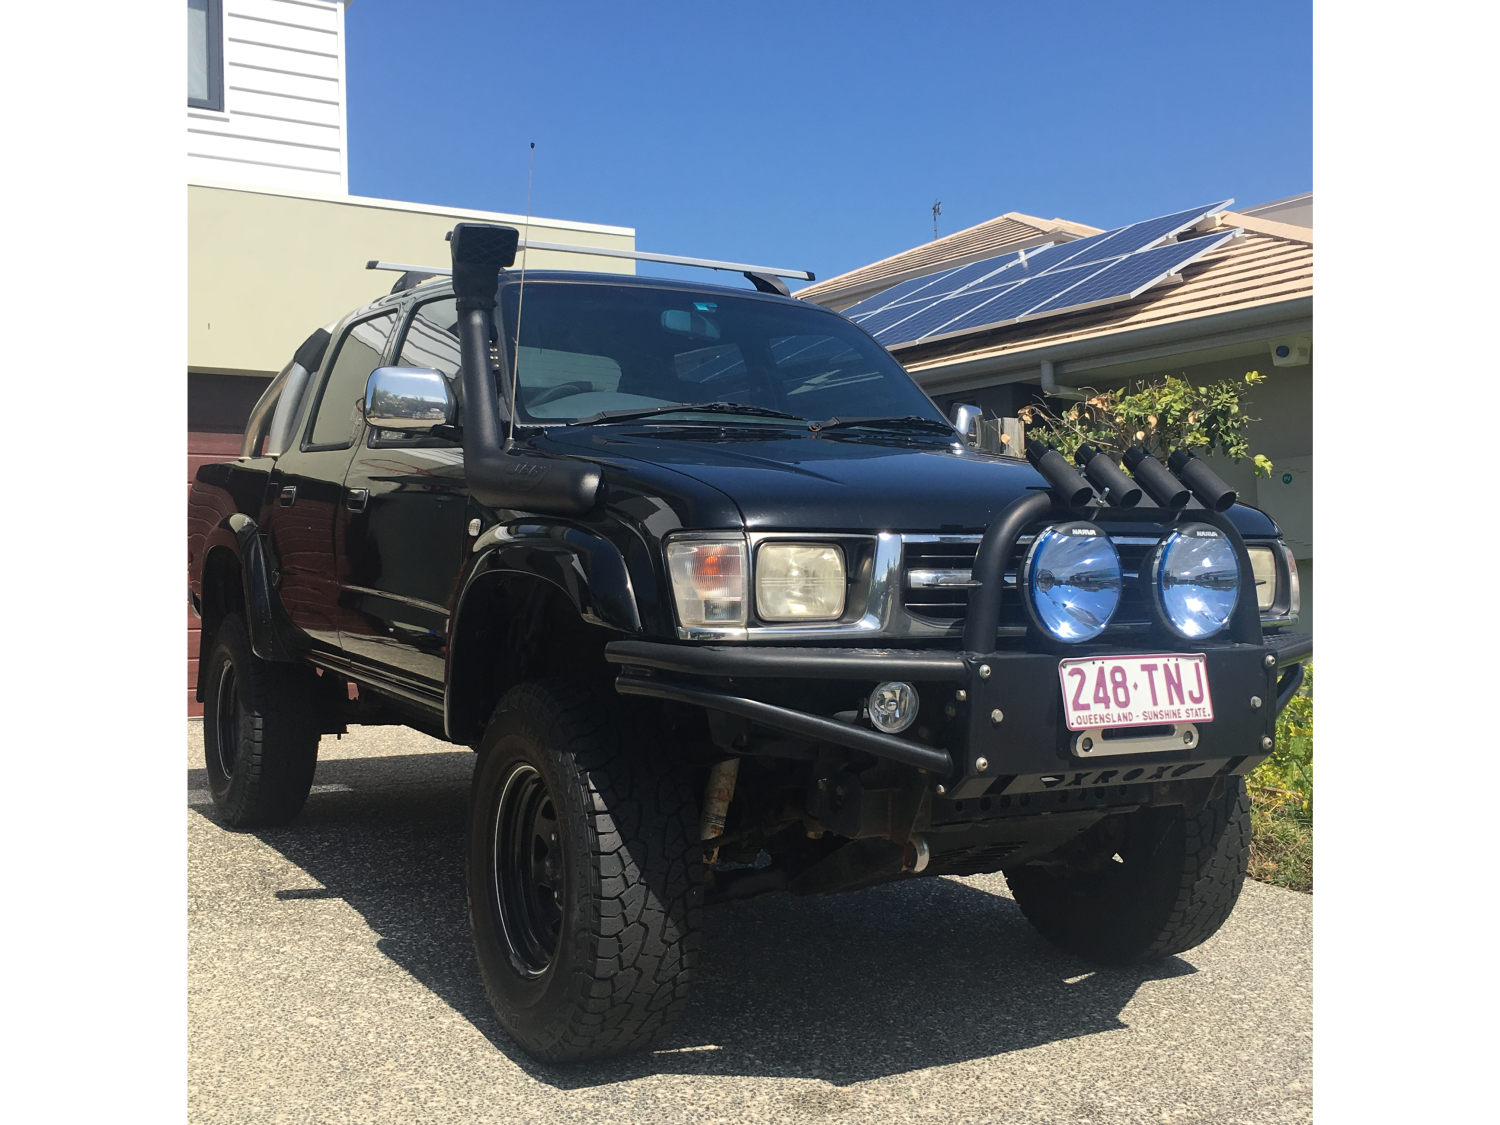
(285, 120)
(267, 267)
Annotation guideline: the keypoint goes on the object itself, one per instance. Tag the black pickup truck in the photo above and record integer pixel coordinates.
(727, 607)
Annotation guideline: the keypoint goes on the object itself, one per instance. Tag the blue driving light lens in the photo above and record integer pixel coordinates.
(1195, 580)
(1073, 576)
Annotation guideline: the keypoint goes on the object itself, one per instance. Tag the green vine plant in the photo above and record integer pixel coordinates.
(1159, 416)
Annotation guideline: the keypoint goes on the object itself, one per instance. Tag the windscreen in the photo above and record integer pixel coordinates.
(587, 349)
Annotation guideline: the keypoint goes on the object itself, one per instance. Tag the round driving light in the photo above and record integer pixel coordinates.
(893, 706)
(1195, 580)
(1073, 581)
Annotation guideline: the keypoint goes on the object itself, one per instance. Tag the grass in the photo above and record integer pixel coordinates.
(1281, 800)
(1281, 847)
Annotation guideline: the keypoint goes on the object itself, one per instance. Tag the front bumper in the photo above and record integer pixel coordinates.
(1028, 749)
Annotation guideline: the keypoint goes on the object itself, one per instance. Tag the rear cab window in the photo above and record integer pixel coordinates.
(337, 417)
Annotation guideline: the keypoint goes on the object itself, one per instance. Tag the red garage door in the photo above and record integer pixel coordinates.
(204, 448)
(218, 408)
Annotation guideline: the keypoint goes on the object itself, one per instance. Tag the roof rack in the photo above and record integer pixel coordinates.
(752, 272)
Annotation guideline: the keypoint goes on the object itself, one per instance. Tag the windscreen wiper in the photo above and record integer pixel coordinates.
(687, 408)
(905, 422)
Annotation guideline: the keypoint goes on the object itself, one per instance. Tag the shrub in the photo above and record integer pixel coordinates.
(1281, 799)
(1157, 415)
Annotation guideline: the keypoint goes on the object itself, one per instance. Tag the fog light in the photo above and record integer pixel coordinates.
(1074, 576)
(893, 706)
(1195, 580)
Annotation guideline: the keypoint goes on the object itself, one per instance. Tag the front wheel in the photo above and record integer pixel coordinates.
(1169, 887)
(584, 876)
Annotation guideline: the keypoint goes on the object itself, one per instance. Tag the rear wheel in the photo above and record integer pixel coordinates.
(1169, 887)
(260, 732)
(584, 876)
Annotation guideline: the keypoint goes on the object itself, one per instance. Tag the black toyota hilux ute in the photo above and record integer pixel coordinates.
(726, 607)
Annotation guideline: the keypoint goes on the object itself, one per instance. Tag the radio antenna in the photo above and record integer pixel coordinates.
(515, 367)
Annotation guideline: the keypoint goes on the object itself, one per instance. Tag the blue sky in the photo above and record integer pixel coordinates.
(817, 134)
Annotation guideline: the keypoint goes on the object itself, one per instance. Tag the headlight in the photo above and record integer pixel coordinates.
(799, 582)
(1263, 567)
(1195, 580)
(708, 581)
(1073, 577)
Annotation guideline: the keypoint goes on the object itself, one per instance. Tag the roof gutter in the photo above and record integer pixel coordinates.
(1234, 332)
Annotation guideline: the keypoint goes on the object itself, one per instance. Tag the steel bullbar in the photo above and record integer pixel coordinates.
(814, 727)
(989, 568)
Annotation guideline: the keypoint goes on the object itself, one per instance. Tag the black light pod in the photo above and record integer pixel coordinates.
(1071, 489)
(1153, 476)
(1105, 475)
(1206, 484)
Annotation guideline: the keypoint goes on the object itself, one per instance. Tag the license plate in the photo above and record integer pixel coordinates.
(1135, 691)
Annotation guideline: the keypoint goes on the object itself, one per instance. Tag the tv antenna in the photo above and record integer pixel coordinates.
(937, 209)
(515, 367)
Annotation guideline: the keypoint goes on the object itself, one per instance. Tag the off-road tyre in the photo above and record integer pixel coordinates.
(1178, 877)
(260, 732)
(625, 883)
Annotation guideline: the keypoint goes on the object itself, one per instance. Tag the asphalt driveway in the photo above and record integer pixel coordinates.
(331, 979)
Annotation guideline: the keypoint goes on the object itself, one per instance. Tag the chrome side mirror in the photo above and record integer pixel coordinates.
(966, 421)
(410, 399)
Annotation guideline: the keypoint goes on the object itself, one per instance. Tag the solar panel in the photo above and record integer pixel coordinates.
(1116, 265)
(1134, 274)
(1000, 306)
(1072, 290)
(949, 281)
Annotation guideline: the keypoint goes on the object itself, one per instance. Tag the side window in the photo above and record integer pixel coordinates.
(338, 418)
(431, 340)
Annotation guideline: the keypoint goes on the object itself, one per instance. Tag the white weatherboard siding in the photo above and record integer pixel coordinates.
(285, 122)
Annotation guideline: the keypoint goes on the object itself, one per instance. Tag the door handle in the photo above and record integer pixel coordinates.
(357, 499)
(289, 496)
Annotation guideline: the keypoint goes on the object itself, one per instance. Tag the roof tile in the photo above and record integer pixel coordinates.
(1260, 268)
(1010, 231)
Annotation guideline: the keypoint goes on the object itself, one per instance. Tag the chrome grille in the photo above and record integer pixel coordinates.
(936, 581)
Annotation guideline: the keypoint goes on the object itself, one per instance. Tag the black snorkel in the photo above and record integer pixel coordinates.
(501, 472)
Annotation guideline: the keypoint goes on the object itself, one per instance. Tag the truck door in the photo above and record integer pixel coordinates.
(405, 528)
(308, 485)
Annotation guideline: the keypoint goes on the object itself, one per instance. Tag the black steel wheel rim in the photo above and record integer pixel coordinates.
(526, 846)
(227, 718)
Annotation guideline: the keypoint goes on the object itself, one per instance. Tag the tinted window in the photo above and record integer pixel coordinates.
(432, 339)
(338, 418)
(587, 348)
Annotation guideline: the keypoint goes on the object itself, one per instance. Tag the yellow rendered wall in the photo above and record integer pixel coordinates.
(264, 269)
